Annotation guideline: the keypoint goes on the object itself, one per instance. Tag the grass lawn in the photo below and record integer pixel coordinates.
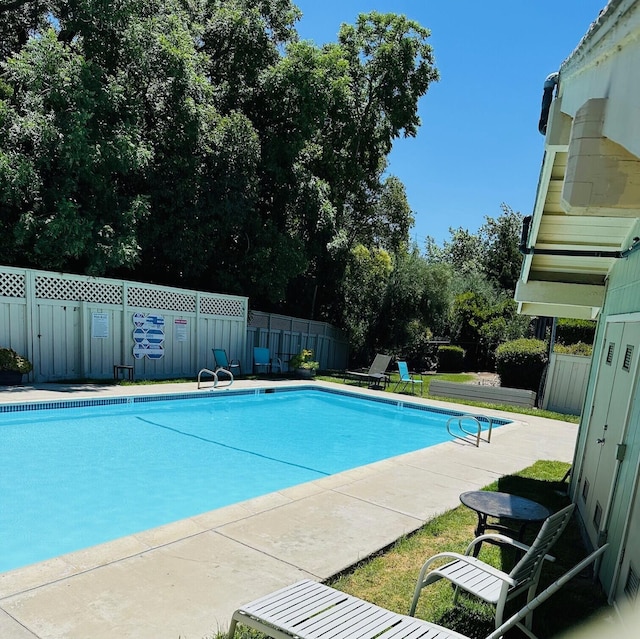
(461, 378)
(388, 579)
(337, 378)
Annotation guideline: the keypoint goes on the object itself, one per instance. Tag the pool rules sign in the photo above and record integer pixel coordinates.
(148, 336)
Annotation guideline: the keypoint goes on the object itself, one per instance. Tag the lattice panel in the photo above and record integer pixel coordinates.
(55, 288)
(160, 299)
(317, 327)
(222, 306)
(258, 320)
(299, 327)
(280, 323)
(12, 285)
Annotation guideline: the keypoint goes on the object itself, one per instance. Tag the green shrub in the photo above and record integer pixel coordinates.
(450, 359)
(572, 331)
(579, 348)
(11, 361)
(520, 363)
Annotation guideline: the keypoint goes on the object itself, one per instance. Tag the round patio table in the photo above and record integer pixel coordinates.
(503, 506)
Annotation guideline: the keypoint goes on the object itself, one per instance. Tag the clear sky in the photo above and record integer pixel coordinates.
(478, 145)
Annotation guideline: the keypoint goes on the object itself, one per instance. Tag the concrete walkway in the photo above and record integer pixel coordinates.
(184, 580)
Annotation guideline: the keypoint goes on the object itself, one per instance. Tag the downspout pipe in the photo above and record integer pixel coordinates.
(550, 84)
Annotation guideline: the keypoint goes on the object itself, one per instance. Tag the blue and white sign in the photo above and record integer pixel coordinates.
(148, 336)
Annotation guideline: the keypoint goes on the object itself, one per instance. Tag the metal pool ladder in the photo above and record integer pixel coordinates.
(475, 436)
(214, 374)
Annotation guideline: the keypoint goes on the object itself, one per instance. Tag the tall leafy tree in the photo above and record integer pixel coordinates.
(71, 153)
(383, 66)
(170, 139)
(485, 267)
(501, 240)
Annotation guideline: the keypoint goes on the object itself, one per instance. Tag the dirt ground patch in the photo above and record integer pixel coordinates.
(484, 378)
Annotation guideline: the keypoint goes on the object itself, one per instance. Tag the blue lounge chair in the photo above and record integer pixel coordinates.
(223, 362)
(407, 378)
(262, 361)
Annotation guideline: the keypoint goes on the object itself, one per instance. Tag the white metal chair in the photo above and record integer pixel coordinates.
(488, 583)
(407, 378)
(309, 610)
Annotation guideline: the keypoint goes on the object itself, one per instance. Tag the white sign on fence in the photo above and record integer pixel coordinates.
(180, 329)
(99, 325)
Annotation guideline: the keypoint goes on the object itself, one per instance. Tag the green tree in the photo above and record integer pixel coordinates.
(463, 252)
(362, 293)
(480, 324)
(167, 140)
(70, 153)
(383, 65)
(502, 259)
(415, 306)
(18, 19)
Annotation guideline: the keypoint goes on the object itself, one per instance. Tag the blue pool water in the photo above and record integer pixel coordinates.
(75, 477)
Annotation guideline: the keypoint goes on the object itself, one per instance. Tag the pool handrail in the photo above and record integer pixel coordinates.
(214, 374)
(476, 435)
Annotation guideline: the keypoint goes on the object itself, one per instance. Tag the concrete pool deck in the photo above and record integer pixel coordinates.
(185, 579)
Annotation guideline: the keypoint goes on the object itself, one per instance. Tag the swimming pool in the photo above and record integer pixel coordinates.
(78, 473)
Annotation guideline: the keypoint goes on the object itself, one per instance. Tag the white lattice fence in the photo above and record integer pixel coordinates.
(73, 326)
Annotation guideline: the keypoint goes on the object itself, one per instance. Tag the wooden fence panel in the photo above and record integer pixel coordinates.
(285, 336)
(566, 383)
(75, 327)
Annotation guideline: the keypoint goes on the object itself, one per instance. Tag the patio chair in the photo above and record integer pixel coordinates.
(494, 586)
(407, 378)
(223, 362)
(376, 375)
(309, 610)
(262, 360)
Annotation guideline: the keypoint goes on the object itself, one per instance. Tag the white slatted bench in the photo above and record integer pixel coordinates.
(309, 610)
(479, 393)
(314, 611)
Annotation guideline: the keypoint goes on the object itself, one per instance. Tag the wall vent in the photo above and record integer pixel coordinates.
(632, 587)
(628, 355)
(597, 516)
(612, 348)
(585, 490)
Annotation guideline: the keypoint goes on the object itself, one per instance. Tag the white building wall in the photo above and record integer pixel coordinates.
(604, 70)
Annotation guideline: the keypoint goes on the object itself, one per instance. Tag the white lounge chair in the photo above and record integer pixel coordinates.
(488, 583)
(309, 610)
(376, 375)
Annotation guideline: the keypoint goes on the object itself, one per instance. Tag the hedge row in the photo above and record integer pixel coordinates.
(573, 331)
(520, 363)
(450, 359)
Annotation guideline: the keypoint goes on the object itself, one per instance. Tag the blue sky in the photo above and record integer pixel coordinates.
(478, 145)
